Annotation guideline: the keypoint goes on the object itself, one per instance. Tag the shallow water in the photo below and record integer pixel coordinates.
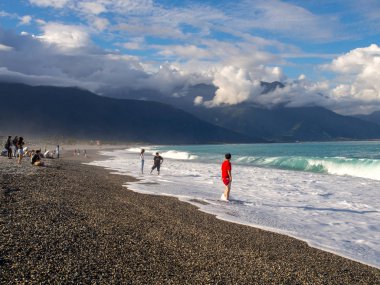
(334, 211)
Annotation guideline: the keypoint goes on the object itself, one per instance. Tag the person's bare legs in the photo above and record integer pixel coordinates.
(227, 190)
(19, 158)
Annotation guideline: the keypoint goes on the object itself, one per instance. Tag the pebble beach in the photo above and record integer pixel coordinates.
(70, 223)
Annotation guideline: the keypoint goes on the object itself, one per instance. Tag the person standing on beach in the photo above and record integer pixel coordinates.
(20, 146)
(15, 140)
(8, 147)
(57, 150)
(157, 161)
(226, 176)
(142, 160)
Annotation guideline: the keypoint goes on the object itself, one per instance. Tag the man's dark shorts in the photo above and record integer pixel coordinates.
(156, 166)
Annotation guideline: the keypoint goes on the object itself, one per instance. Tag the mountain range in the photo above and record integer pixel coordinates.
(73, 112)
(373, 117)
(290, 124)
(76, 113)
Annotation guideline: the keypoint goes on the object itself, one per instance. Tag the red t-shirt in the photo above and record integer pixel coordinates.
(226, 165)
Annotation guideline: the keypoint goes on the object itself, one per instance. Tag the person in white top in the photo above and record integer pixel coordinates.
(142, 160)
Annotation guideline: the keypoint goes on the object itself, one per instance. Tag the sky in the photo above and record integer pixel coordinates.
(327, 53)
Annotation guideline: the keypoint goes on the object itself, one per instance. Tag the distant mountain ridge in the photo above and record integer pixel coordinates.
(290, 124)
(374, 117)
(72, 112)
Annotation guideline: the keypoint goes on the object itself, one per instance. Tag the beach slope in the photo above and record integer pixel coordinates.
(74, 223)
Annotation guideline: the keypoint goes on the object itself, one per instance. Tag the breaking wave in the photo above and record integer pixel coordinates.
(358, 167)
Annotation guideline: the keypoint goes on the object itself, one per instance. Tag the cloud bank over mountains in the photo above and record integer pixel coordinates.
(139, 45)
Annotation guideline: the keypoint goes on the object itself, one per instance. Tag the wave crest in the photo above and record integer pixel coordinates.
(365, 168)
(178, 155)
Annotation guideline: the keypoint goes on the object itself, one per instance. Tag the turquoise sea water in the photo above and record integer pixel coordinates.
(361, 159)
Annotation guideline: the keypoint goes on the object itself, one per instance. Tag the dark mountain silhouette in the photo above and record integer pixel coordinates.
(374, 117)
(72, 112)
(76, 113)
(290, 124)
(270, 86)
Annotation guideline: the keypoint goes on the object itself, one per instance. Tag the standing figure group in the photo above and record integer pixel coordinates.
(18, 147)
(15, 148)
(226, 171)
(157, 161)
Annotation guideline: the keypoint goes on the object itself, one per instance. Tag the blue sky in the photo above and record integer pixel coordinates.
(317, 47)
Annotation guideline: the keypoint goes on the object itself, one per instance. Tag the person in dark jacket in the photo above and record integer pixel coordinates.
(8, 147)
(157, 161)
(15, 140)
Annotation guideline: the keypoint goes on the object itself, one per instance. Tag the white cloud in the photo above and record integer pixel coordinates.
(4, 14)
(92, 7)
(298, 93)
(5, 48)
(198, 100)
(130, 6)
(358, 73)
(100, 23)
(50, 3)
(134, 44)
(96, 7)
(355, 90)
(302, 77)
(235, 85)
(31, 79)
(33, 62)
(286, 19)
(25, 20)
(40, 22)
(65, 36)
(169, 78)
(184, 51)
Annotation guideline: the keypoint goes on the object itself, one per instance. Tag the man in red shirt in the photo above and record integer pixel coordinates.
(226, 176)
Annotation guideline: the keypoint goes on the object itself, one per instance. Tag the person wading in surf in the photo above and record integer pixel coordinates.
(157, 161)
(226, 176)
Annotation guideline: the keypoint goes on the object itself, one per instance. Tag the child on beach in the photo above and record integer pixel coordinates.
(226, 176)
(157, 161)
(36, 158)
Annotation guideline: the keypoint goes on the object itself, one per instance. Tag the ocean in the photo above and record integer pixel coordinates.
(327, 194)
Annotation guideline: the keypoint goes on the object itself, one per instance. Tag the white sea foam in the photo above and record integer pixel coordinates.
(178, 155)
(365, 169)
(138, 149)
(172, 154)
(335, 213)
